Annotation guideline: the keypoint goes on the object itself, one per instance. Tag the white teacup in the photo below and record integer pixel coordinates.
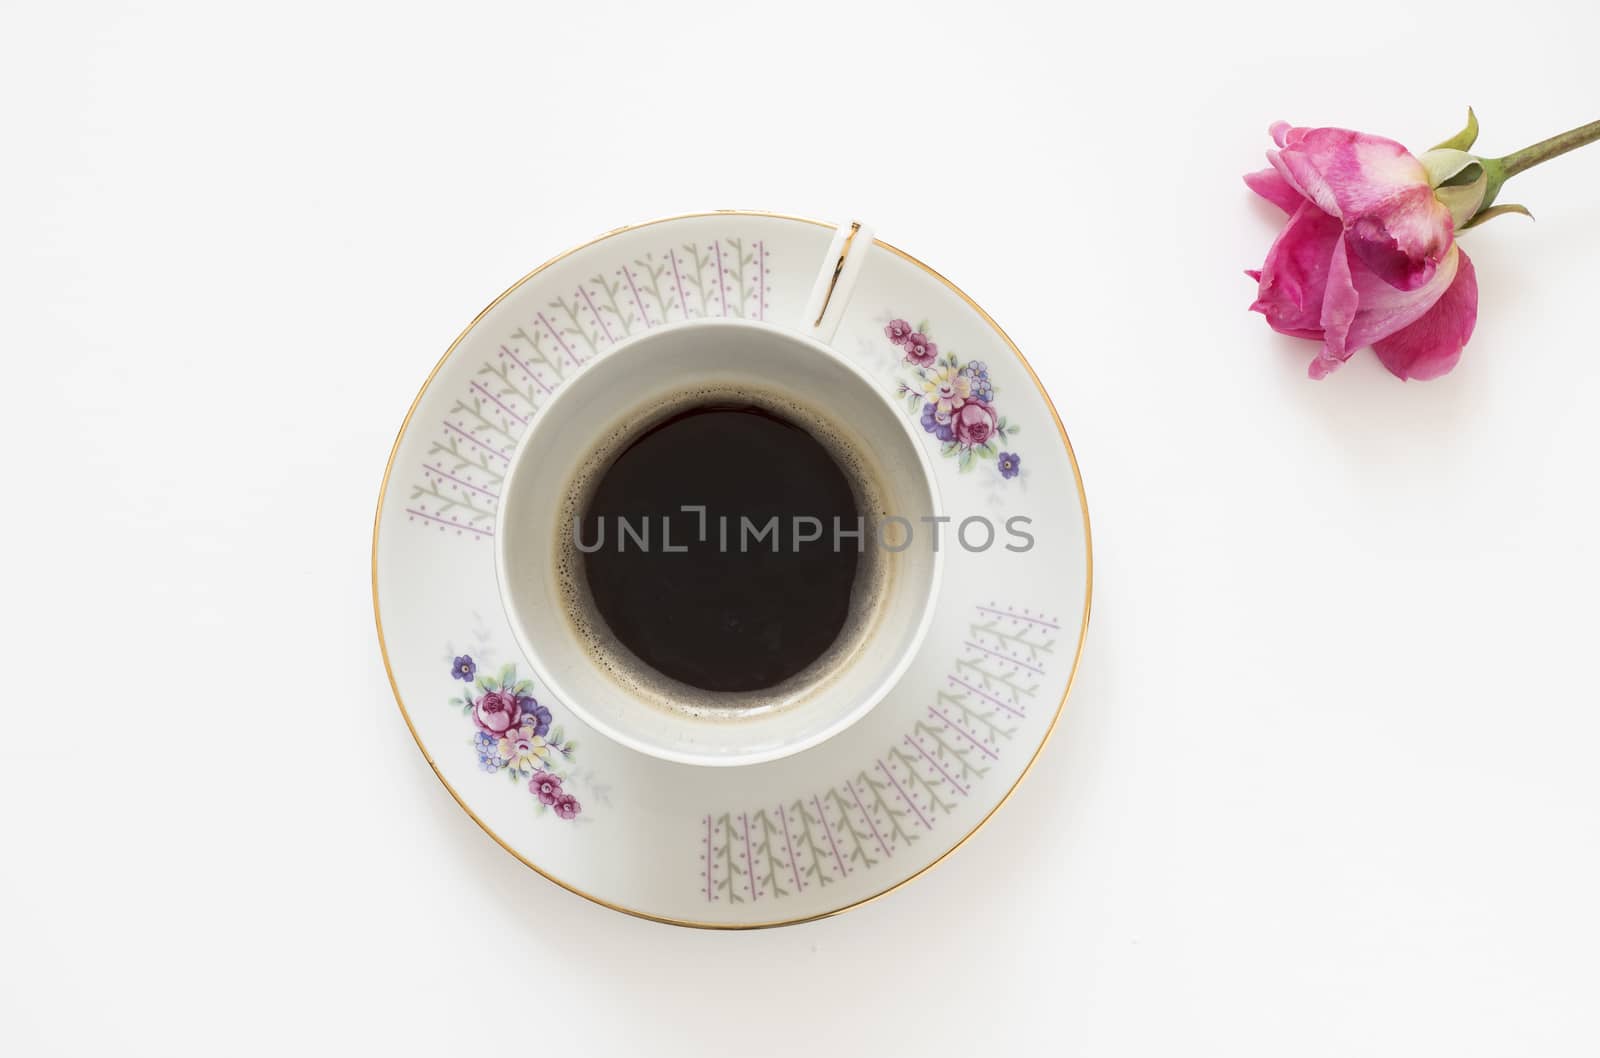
(731, 354)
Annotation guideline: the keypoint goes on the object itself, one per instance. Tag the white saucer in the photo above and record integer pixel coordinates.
(766, 844)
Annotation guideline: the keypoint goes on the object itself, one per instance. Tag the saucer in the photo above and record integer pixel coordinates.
(810, 834)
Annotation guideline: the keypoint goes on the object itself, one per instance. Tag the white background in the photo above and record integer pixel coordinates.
(1326, 785)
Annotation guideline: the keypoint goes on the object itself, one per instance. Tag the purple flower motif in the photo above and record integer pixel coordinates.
(898, 331)
(464, 668)
(937, 423)
(1010, 463)
(919, 350)
(546, 787)
(567, 806)
(536, 713)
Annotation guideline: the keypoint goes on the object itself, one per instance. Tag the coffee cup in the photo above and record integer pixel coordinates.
(721, 583)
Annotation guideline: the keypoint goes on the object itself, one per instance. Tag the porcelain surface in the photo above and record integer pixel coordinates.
(822, 830)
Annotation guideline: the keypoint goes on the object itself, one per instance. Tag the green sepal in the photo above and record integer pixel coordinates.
(1463, 140)
(1498, 211)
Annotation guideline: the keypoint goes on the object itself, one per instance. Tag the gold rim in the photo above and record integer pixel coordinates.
(1083, 631)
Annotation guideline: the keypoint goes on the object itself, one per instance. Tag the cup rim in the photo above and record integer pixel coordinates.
(880, 689)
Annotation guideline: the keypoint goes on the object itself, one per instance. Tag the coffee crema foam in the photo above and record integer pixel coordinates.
(875, 566)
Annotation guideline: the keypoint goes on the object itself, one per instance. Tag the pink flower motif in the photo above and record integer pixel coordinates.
(567, 806)
(974, 422)
(546, 787)
(919, 350)
(1367, 257)
(496, 712)
(898, 331)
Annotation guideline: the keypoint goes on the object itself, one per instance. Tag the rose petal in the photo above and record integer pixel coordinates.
(1385, 309)
(1293, 279)
(1431, 345)
(1349, 174)
(1379, 190)
(1339, 305)
(1275, 189)
(1380, 251)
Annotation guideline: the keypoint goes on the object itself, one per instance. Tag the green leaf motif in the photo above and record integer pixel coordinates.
(965, 462)
(949, 448)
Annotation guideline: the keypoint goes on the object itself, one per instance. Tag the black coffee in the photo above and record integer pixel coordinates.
(753, 591)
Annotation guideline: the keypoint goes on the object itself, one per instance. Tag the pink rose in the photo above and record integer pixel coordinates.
(919, 350)
(1368, 256)
(496, 712)
(546, 787)
(898, 331)
(567, 806)
(974, 422)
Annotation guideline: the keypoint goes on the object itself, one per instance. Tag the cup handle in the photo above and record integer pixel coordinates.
(841, 267)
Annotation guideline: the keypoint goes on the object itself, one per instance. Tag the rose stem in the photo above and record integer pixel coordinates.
(1553, 147)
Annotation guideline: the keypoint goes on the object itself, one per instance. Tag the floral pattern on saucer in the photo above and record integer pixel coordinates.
(817, 838)
(514, 735)
(954, 401)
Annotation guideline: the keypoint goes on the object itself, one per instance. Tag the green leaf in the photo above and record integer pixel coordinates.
(1463, 140)
(572, 748)
(508, 675)
(1497, 211)
(986, 450)
(922, 325)
(523, 687)
(965, 462)
(555, 736)
(949, 447)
